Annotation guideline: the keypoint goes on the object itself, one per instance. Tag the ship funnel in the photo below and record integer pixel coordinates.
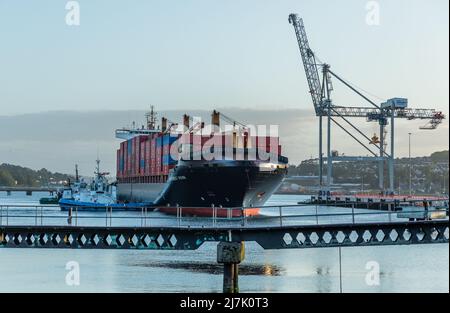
(163, 124)
(215, 118)
(186, 119)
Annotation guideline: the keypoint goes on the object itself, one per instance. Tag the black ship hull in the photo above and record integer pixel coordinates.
(230, 184)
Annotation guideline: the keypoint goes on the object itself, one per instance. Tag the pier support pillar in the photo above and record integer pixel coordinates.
(230, 254)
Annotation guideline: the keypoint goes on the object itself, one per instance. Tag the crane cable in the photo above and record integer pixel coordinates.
(231, 120)
(348, 82)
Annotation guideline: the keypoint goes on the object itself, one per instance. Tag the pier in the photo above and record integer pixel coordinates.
(375, 202)
(28, 190)
(280, 227)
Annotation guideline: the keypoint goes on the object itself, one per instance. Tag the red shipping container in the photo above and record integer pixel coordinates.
(274, 142)
(158, 162)
(147, 157)
(118, 164)
(152, 167)
(142, 158)
(118, 172)
(130, 157)
(125, 158)
(165, 170)
(137, 156)
(148, 144)
(196, 142)
(153, 157)
(125, 161)
(122, 162)
(267, 143)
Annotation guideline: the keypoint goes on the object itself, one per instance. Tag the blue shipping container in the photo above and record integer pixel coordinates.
(130, 146)
(169, 139)
(121, 164)
(159, 141)
(168, 160)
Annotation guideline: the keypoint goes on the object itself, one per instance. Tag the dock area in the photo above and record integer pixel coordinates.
(28, 190)
(377, 202)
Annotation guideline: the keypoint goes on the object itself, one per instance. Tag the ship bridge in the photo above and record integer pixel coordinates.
(128, 133)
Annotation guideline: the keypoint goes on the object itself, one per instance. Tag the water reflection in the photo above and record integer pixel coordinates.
(216, 269)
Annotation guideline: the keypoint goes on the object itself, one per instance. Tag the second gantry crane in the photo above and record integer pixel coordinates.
(320, 88)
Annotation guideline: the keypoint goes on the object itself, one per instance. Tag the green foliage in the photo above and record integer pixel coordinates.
(13, 175)
(6, 179)
(441, 156)
(428, 174)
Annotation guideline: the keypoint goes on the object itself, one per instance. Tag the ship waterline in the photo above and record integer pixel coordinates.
(198, 185)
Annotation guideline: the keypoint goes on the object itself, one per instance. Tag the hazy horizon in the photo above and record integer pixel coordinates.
(70, 138)
(64, 89)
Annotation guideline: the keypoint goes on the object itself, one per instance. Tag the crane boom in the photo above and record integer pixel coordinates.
(309, 62)
(374, 114)
(317, 89)
(385, 113)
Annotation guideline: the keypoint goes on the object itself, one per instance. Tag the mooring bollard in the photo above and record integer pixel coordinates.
(230, 254)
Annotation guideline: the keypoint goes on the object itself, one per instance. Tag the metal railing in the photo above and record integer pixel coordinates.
(217, 217)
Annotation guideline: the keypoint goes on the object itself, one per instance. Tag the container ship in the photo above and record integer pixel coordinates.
(198, 168)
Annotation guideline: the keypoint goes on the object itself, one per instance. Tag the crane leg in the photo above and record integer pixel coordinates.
(329, 154)
(381, 163)
(321, 152)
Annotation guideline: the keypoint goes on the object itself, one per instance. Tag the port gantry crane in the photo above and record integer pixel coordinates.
(384, 113)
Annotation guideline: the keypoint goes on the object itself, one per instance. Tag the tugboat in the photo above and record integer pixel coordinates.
(96, 196)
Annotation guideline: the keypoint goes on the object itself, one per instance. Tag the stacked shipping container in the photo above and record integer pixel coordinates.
(150, 156)
(153, 156)
(169, 161)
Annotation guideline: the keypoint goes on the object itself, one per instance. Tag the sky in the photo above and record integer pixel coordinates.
(203, 54)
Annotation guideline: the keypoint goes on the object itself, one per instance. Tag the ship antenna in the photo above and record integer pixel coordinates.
(98, 163)
(76, 173)
(98, 166)
(151, 118)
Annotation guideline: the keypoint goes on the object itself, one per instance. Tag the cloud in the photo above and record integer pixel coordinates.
(58, 140)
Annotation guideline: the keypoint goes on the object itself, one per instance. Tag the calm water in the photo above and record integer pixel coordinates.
(403, 269)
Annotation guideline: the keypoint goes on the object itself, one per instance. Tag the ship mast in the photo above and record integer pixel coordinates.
(151, 118)
(77, 178)
(98, 167)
